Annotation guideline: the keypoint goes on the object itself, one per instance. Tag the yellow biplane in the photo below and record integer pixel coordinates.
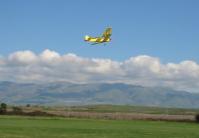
(98, 40)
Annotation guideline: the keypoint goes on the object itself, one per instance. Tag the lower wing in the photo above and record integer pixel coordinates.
(96, 43)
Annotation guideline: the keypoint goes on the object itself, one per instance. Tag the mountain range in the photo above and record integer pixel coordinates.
(65, 93)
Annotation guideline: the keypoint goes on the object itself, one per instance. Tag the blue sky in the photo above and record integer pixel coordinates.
(167, 29)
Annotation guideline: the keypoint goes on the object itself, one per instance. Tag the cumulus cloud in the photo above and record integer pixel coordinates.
(22, 57)
(49, 66)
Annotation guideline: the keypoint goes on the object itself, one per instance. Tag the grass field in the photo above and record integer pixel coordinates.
(46, 127)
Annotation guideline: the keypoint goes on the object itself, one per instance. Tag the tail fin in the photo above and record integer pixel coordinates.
(107, 33)
(86, 38)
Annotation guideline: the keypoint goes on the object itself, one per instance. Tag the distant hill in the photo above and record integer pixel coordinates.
(62, 93)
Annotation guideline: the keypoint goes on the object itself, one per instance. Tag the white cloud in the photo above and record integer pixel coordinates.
(23, 57)
(2, 61)
(26, 66)
(49, 56)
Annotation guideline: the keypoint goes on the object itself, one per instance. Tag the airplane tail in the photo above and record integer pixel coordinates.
(86, 38)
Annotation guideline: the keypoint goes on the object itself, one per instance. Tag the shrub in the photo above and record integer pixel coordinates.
(197, 118)
(16, 110)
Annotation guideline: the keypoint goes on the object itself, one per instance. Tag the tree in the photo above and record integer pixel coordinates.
(27, 105)
(3, 108)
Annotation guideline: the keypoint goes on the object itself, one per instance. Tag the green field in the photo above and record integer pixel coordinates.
(46, 127)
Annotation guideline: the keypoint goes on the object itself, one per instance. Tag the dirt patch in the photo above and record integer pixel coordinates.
(125, 116)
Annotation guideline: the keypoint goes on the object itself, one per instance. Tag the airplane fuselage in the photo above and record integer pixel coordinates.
(97, 39)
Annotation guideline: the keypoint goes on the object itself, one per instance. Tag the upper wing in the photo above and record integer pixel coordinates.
(93, 39)
(107, 33)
